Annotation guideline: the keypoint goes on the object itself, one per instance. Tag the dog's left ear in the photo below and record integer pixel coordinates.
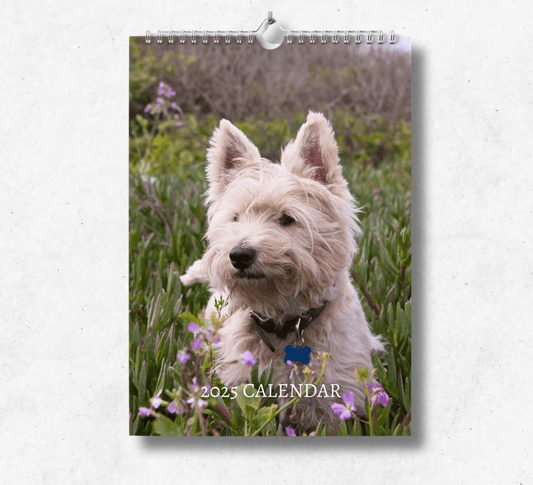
(314, 153)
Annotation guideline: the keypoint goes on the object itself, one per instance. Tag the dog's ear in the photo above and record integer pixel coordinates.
(230, 152)
(314, 153)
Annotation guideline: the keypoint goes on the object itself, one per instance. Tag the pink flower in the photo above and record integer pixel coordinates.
(248, 358)
(200, 402)
(345, 411)
(174, 408)
(193, 327)
(290, 432)
(289, 362)
(156, 401)
(378, 394)
(194, 386)
(183, 356)
(196, 344)
(145, 411)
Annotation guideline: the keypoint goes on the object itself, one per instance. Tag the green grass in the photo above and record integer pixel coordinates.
(167, 223)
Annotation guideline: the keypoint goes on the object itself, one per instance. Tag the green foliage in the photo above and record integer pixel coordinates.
(167, 223)
(367, 102)
(236, 82)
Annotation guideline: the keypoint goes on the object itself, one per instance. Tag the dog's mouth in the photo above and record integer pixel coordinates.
(240, 274)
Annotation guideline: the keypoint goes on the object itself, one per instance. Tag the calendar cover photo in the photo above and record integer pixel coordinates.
(270, 239)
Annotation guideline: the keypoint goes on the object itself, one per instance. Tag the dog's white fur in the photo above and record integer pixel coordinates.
(302, 265)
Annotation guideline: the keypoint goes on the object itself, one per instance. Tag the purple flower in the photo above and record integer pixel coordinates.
(293, 371)
(174, 408)
(148, 108)
(183, 356)
(290, 432)
(162, 87)
(248, 358)
(200, 402)
(345, 411)
(196, 344)
(378, 394)
(156, 401)
(145, 411)
(174, 106)
(217, 340)
(194, 386)
(193, 327)
(170, 92)
(179, 123)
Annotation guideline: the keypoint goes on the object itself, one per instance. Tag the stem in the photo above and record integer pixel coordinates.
(369, 409)
(289, 404)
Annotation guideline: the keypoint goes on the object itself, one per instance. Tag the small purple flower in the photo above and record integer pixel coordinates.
(160, 101)
(148, 108)
(345, 411)
(174, 408)
(179, 123)
(200, 402)
(183, 356)
(248, 358)
(294, 370)
(194, 386)
(170, 92)
(217, 340)
(378, 394)
(144, 411)
(174, 106)
(193, 327)
(196, 344)
(162, 87)
(290, 432)
(156, 401)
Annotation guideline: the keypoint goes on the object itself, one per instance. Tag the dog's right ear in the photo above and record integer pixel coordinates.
(230, 152)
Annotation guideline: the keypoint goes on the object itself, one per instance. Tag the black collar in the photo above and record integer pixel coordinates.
(284, 327)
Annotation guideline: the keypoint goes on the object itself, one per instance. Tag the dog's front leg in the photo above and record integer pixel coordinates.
(237, 337)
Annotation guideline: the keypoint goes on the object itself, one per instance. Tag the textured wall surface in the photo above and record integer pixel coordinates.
(64, 248)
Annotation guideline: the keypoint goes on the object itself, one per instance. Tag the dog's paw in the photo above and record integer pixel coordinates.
(195, 274)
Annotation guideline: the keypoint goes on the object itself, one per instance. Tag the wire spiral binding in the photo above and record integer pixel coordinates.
(348, 36)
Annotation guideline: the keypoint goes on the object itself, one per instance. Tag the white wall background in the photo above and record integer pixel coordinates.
(64, 248)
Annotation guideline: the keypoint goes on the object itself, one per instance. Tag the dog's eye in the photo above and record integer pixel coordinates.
(285, 220)
(235, 217)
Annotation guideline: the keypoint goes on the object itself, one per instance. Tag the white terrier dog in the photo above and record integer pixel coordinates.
(281, 243)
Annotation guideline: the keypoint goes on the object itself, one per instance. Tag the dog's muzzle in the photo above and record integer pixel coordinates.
(242, 257)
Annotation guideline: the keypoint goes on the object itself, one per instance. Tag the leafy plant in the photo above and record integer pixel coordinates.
(172, 348)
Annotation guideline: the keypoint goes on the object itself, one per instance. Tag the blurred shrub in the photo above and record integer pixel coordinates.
(237, 82)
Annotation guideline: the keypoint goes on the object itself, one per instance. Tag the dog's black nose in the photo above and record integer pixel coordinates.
(241, 257)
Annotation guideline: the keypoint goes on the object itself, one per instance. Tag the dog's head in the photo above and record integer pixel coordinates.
(279, 233)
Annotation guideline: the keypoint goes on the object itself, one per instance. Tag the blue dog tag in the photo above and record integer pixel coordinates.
(297, 354)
